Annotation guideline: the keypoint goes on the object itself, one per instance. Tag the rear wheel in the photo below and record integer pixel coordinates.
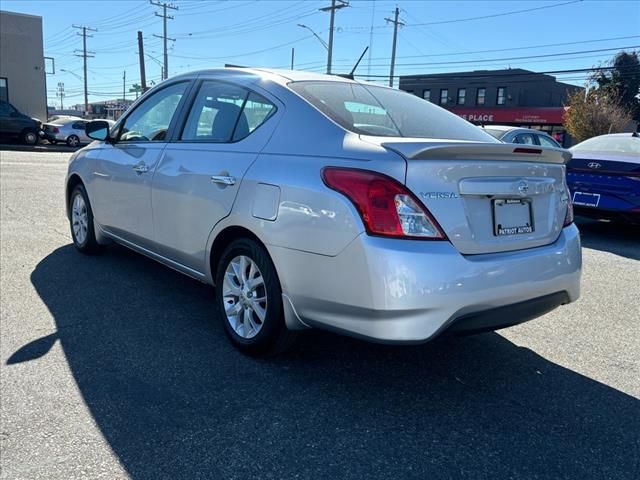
(249, 300)
(73, 141)
(30, 137)
(81, 221)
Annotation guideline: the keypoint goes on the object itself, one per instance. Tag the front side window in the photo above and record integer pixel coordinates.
(444, 96)
(5, 109)
(372, 110)
(480, 95)
(150, 121)
(502, 96)
(426, 94)
(462, 93)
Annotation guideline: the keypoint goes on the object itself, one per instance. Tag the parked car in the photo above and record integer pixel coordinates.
(527, 136)
(604, 177)
(15, 125)
(70, 130)
(317, 201)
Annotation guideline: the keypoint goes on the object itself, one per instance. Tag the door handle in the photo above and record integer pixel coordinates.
(223, 179)
(141, 168)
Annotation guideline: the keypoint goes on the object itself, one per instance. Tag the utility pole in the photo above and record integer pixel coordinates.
(395, 22)
(334, 6)
(143, 76)
(60, 94)
(164, 5)
(84, 56)
(293, 54)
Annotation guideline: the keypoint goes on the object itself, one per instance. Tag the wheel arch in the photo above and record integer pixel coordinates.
(223, 239)
(73, 181)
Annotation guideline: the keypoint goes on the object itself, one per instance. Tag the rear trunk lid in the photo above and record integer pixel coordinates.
(488, 197)
(604, 173)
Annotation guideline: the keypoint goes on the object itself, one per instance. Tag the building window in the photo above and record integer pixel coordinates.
(462, 93)
(444, 96)
(4, 90)
(480, 94)
(426, 94)
(502, 96)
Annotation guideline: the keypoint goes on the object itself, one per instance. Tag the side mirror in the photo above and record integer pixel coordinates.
(97, 130)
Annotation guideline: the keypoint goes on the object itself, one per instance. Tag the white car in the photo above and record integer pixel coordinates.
(70, 130)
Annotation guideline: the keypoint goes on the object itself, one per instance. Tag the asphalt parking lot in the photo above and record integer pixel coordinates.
(113, 367)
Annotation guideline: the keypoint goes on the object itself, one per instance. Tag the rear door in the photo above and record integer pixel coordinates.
(196, 183)
(121, 183)
(489, 197)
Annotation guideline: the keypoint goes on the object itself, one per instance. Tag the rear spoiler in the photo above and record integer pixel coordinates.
(478, 151)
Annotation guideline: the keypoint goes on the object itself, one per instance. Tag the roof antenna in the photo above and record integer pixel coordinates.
(350, 75)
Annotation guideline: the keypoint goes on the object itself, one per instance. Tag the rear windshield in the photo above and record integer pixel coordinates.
(612, 144)
(371, 110)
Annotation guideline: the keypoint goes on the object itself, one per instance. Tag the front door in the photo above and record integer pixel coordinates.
(200, 173)
(122, 180)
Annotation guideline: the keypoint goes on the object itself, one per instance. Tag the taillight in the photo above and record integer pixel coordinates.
(566, 196)
(387, 208)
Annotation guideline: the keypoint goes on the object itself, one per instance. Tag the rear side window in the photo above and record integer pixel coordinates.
(78, 125)
(547, 142)
(371, 110)
(223, 113)
(256, 111)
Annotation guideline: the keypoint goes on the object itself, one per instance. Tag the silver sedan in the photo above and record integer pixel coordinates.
(318, 201)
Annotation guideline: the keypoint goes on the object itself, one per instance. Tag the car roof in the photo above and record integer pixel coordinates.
(277, 75)
(502, 128)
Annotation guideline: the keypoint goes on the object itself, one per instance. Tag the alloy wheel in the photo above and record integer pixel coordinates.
(244, 296)
(79, 218)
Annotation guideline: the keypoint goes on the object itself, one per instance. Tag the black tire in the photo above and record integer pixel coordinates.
(29, 137)
(73, 140)
(87, 243)
(273, 337)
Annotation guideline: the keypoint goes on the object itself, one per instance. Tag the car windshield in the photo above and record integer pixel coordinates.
(613, 144)
(371, 110)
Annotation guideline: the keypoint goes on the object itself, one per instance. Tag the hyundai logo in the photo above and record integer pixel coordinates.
(523, 188)
(593, 165)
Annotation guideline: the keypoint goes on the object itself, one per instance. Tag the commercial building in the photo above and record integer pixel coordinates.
(22, 68)
(507, 97)
(109, 109)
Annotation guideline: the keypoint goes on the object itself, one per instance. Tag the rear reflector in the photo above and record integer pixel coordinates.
(527, 150)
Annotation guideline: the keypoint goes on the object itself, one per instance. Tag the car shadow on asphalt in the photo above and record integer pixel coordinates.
(614, 237)
(173, 399)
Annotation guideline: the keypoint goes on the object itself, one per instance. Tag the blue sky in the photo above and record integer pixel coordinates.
(438, 36)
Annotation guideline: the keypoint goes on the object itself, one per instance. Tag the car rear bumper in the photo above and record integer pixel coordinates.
(406, 291)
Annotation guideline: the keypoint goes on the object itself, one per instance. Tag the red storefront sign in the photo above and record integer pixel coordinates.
(531, 116)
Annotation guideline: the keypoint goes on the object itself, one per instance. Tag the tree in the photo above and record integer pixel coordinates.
(621, 78)
(595, 111)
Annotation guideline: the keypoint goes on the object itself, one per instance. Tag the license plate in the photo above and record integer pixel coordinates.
(512, 216)
(586, 199)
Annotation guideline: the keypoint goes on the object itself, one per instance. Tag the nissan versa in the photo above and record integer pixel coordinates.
(318, 201)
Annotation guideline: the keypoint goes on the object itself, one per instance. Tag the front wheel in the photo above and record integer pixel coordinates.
(81, 221)
(249, 300)
(73, 141)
